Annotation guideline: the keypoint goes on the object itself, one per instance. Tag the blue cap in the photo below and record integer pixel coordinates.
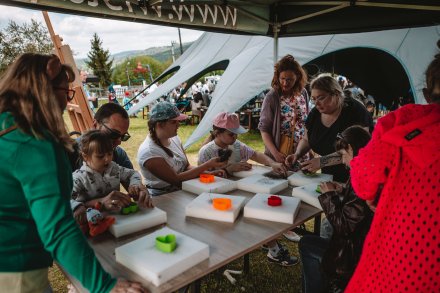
(166, 111)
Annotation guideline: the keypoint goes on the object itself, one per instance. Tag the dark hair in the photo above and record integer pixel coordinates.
(152, 130)
(107, 110)
(433, 76)
(95, 141)
(198, 97)
(288, 62)
(213, 133)
(355, 136)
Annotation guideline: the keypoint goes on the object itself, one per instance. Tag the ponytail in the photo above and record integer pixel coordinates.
(152, 130)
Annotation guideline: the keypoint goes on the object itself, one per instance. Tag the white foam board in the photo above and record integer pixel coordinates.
(261, 184)
(258, 208)
(299, 179)
(142, 219)
(256, 169)
(201, 207)
(308, 194)
(220, 185)
(142, 257)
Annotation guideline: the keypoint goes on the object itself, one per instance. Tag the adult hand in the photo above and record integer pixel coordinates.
(290, 161)
(219, 173)
(123, 286)
(279, 168)
(279, 157)
(115, 200)
(312, 165)
(214, 163)
(80, 215)
(140, 193)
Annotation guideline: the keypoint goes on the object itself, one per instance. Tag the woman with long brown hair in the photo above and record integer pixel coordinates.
(36, 222)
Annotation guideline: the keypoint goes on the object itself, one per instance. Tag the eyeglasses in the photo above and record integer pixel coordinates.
(69, 92)
(319, 99)
(114, 134)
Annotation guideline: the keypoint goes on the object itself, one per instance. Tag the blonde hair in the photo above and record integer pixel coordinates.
(329, 85)
(26, 91)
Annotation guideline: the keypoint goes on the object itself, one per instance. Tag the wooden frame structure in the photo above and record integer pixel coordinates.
(78, 109)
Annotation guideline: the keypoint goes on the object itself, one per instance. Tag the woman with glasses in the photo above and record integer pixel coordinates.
(332, 114)
(283, 114)
(161, 156)
(36, 223)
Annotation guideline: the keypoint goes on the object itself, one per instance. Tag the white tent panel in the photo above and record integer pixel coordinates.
(251, 65)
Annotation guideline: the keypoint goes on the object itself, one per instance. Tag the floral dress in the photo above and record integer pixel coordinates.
(293, 117)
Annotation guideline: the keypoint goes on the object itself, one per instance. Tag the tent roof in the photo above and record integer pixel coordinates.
(258, 17)
(249, 61)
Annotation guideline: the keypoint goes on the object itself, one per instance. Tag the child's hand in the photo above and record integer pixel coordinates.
(115, 200)
(140, 193)
(215, 164)
(219, 173)
(80, 215)
(328, 186)
(240, 166)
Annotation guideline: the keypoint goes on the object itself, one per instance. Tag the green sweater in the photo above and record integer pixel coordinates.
(36, 222)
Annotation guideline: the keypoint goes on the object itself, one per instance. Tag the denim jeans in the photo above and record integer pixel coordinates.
(311, 250)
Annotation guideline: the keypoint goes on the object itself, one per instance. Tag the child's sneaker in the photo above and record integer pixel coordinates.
(283, 258)
(292, 236)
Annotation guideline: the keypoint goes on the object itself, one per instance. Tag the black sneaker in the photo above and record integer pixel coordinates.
(265, 247)
(283, 258)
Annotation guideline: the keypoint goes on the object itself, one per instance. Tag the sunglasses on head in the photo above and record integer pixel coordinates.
(114, 134)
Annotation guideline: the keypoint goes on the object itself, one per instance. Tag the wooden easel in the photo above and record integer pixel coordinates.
(78, 109)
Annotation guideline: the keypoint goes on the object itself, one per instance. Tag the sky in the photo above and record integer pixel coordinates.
(116, 36)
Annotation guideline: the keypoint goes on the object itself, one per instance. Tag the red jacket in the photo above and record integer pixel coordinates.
(402, 250)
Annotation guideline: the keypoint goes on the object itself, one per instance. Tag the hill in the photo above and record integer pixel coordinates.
(161, 54)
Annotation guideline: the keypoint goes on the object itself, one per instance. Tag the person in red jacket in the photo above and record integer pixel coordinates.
(398, 172)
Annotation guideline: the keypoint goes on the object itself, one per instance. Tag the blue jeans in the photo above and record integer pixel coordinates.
(311, 250)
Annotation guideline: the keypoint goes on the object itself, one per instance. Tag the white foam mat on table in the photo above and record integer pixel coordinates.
(299, 179)
(143, 219)
(142, 257)
(258, 208)
(220, 185)
(201, 207)
(308, 194)
(261, 184)
(256, 169)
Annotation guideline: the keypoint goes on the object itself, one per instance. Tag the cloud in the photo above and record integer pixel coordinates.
(116, 36)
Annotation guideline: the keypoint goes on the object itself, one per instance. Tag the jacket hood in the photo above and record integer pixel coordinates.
(416, 129)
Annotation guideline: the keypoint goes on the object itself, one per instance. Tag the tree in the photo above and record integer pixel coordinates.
(130, 66)
(99, 61)
(17, 39)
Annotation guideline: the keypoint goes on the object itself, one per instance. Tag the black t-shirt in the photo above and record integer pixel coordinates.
(322, 139)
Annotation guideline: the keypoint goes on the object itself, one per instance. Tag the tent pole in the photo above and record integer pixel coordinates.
(276, 29)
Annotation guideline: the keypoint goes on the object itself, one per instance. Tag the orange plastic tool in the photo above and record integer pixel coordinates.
(222, 204)
(206, 178)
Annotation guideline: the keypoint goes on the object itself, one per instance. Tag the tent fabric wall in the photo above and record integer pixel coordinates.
(251, 62)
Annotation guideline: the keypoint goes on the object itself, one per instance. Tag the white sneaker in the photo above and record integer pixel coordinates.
(292, 236)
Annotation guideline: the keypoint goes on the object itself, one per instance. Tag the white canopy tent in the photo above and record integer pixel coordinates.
(249, 61)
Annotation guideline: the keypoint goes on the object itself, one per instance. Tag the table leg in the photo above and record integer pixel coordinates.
(246, 266)
(317, 225)
(195, 286)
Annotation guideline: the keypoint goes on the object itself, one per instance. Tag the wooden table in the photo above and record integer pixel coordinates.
(227, 241)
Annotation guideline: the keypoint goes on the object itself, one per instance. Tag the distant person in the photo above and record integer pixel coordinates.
(93, 103)
(36, 223)
(161, 156)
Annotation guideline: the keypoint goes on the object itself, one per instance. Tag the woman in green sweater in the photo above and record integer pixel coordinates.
(36, 223)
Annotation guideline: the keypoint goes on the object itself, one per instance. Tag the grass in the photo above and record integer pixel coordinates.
(263, 276)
